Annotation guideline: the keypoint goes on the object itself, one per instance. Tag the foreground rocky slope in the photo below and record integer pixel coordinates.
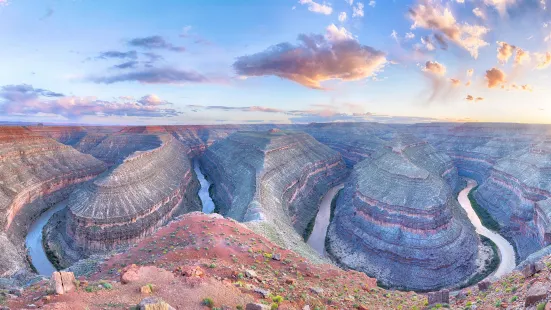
(127, 202)
(204, 258)
(275, 178)
(35, 173)
(398, 220)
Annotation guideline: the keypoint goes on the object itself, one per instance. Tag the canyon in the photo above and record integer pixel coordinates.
(397, 218)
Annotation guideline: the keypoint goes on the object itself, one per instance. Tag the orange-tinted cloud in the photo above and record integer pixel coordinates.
(495, 77)
(315, 59)
(544, 60)
(505, 51)
(430, 14)
(521, 56)
(435, 67)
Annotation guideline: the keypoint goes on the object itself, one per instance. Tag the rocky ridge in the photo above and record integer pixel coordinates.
(127, 202)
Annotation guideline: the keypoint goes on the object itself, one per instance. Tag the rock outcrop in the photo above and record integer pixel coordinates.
(275, 177)
(398, 220)
(35, 173)
(517, 194)
(131, 200)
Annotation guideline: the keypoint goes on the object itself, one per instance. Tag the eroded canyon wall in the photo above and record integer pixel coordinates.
(34, 171)
(274, 177)
(398, 219)
(131, 199)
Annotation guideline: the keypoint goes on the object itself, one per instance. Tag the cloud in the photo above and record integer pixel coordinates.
(505, 51)
(455, 82)
(471, 98)
(154, 76)
(372, 3)
(49, 13)
(521, 56)
(316, 7)
(126, 65)
(426, 41)
(26, 100)
(478, 13)
(155, 42)
(495, 77)
(470, 72)
(241, 109)
(409, 36)
(500, 5)
(435, 67)
(315, 59)
(358, 10)
(342, 17)
(429, 14)
(118, 55)
(544, 60)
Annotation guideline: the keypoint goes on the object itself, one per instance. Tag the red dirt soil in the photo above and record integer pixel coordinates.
(224, 250)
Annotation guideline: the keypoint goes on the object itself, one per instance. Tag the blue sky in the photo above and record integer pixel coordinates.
(210, 62)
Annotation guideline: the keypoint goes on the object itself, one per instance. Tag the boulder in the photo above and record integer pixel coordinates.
(252, 306)
(63, 282)
(539, 266)
(152, 303)
(439, 297)
(528, 270)
(130, 274)
(484, 285)
(537, 292)
(192, 271)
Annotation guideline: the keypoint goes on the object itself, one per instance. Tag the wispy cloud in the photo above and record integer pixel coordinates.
(317, 7)
(155, 42)
(315, 59)
(430, 14)
(154, 76)
(118, 55)
(26, 100)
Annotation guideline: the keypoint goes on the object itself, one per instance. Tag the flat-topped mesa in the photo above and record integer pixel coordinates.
(133, 199)
(35, 173)
(398, 220)
(278, 177)
(515, 194)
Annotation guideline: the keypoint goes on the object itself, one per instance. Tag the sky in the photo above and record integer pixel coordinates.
(135, 62)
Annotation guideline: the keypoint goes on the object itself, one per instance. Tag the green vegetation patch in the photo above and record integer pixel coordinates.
(485, 217)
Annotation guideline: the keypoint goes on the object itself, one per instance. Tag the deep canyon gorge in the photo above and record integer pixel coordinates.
(70, 193)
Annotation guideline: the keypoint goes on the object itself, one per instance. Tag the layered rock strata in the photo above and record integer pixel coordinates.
(398, 220)
(275, 177)
(132, 199)
(517, 194)
(35, 173)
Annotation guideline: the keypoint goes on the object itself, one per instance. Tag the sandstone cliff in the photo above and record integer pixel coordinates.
(398, 219)
(132, 199)
(275, 178)
(34, 171)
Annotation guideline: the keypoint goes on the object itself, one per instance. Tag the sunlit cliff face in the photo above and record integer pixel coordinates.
(283, 62)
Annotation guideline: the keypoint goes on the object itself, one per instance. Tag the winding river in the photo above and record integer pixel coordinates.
(506, 251)
(33, 241)
(317, 238)
(208, 204)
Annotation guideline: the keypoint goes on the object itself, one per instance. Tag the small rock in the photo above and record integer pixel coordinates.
(484, 285)
(362, 307)
(250, 273)
(290, 281)
(152, 303)
(307, 307)
(539, 266)
(130, 274)
(317, 290)
(146, 289)
(193, 271)
(528, 270)
(252, 306)
(263, 292)
(276, 256)
(536, 292)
